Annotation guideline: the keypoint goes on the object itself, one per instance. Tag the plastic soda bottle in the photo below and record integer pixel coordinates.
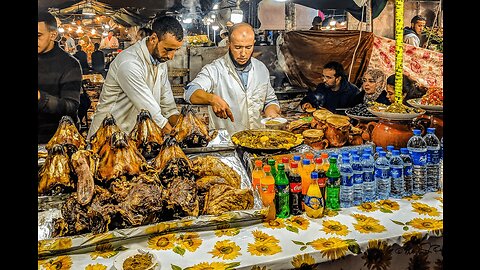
(257, 174)
(286, 161)
(314, 203)
(307, 169)
(273, 168)
(296, 198)
(333, 185)
(282, 204)
(267, 185)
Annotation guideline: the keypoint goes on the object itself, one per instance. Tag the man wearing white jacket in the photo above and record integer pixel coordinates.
(236, 86)
(137, 79)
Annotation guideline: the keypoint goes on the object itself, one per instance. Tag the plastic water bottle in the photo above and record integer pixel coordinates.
(333, 155)
(417, 147)
(346, 183)
(433, 160)
(377, 149)
(357, 180)
(396, 172)
(440, 183)
(369, 184)
(342, 155)
(382, 176)
(390, 148)
(407, 171)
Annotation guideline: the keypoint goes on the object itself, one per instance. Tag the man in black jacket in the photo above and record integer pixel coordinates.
(334, 93)
(59, 80)
(83, 59)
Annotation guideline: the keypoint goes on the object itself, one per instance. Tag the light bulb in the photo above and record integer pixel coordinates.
(215, 6)
(215, 27)
(236, 16)
(93, 31)
(187, 20)
(69, 29)
(332, 23)
(61, 30)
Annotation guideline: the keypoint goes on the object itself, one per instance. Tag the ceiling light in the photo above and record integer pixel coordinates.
(332, 22)
(61, 30)
(236, 16)
(105, 34)
(88, 11)
(69, 29)
(215, 27)
(215, 6)
(93, 31)
(79, 30)
(187, 20)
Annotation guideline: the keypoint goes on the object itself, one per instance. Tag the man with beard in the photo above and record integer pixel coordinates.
(137, 79)
(334, 93)
(59, 80)
(236, 86)
(411, 35)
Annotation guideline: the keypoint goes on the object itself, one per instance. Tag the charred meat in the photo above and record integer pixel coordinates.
(224, 198)
(84, 163)
(68, 136)
(103, 134)
(213, 166)
(55, 174)
(147, 135)
(190, 130)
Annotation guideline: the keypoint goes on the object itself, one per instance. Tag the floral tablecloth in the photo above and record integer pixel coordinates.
(370, 236)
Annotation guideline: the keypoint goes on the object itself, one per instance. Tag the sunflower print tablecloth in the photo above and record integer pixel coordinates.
(372, 234)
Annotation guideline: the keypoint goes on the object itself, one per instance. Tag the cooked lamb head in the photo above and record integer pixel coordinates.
(213, 166)
(224, 198)
(84, 163)
(171, 161)
(190, 130)
(121, 157)
(103, 135)
(75, 215)
(182, 197)
(67, 135)
(147, 135)
(55, 174)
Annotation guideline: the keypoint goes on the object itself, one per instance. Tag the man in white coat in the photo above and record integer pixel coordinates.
(137, 79)
(236, 86)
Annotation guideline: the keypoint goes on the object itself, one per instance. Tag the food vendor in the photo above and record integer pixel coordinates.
(236, 86)
(138, 79)
(373, 87)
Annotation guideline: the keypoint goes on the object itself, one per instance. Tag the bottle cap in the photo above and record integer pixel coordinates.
(354, 152)
(395, 152)
(345, 154)
(266, 168)
(271, 162)
(285, 159)
(367, 150)
(346, 160)
(390, 148)
(382, 153)
(404, 150)
(306, 162)
(318, 160)
(332, 160)
(281, 166)
(417, 132)
(356, 157)
(258, 163)
(431, 130)
(297, 158)
(293, 164)
(334, 155)
(365, 156)
(314, 175)
(309, 155)
(378, 148)
(324, 155)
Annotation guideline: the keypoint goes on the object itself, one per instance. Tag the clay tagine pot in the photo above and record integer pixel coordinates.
(392, 132)
(337, 129)
(432, 121)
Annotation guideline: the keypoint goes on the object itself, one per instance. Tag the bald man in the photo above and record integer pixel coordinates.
(236, 86)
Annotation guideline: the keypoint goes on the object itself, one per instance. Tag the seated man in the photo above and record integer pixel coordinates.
(335, 93)
(82, 58)
(236, 86)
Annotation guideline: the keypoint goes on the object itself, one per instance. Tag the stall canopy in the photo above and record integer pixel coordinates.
(351, 6)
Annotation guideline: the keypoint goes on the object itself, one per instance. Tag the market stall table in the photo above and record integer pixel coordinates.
(386, 234)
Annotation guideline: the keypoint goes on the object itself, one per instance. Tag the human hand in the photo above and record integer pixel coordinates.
(306, 106)
(221, 108)
(167, 129)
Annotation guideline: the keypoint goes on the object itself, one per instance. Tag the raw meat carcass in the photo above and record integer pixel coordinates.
(147, 135)
(55, 174)
(103, 134)
(224, 198)
(211, 166)
(120, 157)
(68, 136)
(191, 131)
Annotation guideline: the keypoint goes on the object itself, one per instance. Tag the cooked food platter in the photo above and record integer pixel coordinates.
(395, 111)
(266, 139)
(416, 102)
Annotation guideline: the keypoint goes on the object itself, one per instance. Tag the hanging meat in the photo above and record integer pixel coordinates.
(171, 161)
(213, 166)
(68, 136)
(120, 157)
(190, 130)
(55, 174)
(84, 163)
(103, 134)
(147, 135)
(223, 198)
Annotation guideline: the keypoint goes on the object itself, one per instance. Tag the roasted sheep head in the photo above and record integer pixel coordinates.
(68, 136)
(103, 134)
(147, 135)
(224, 198)
(54, 176)
(171, 161)
(191, 131)
(213, 166)
(182, 197)
(84, 163)
(120, 157)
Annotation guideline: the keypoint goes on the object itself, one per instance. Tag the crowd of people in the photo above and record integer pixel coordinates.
(236, 86)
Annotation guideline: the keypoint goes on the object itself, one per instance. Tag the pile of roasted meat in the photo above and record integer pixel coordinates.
(120, 180)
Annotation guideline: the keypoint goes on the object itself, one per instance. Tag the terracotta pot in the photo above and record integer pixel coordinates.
(396, 133)
(430, 120)
(338, 130)
(355, 139)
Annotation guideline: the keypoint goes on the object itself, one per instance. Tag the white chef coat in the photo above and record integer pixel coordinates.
(109, 44)
(246, 103)
(133, 83)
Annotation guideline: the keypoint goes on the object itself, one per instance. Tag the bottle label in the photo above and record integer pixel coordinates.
(433, 156)
(396, 172)
(382, 173)
(282, 188)
(407, 170)
(314, 202)
(358, 178)
(322, 182)
(368, 177)
(268, 188)
(295, 187)
(347, 180)
(334, 181)
(419, 158)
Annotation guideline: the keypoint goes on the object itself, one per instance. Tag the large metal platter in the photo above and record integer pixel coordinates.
(396, 116)
(415, 102)
(250, 139)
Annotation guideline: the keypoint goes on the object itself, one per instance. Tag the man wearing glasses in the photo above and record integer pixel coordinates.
(137, 79)
(335, 93)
